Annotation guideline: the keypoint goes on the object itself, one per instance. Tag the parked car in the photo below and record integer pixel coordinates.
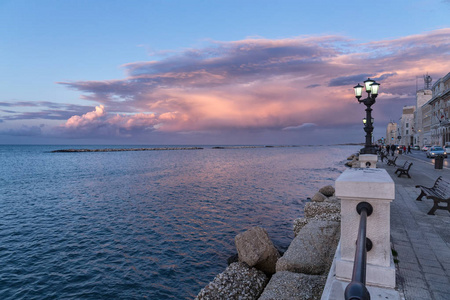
(436, 150)
(426, 147)
(416, 147)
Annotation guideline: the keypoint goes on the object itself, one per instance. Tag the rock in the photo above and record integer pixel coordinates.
(328, 190)
(299, 224)
(318, 197)
(288, 285)
(314, 209)
(238, 281)
(333, 199)
(312, 250)
(257, 250)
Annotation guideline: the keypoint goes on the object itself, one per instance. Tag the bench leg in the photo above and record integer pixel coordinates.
(434, 208)
(420, 196)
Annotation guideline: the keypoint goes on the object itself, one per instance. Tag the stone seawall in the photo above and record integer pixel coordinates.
(300, 273)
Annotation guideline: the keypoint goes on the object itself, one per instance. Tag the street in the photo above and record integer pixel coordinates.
(417, 154)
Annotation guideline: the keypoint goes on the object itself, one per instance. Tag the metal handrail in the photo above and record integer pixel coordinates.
(357, 290)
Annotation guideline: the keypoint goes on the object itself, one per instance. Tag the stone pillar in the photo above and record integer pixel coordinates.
(368, 158)
(376, 187)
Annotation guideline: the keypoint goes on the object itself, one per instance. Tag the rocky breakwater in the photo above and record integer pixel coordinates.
(124, 149)
(353, 161)
(262, 273)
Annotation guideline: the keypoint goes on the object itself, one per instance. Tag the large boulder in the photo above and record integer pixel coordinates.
(257, 250)
(312, 250)
(238, 281)
(318, 197)
(288, 285)
(328, 190)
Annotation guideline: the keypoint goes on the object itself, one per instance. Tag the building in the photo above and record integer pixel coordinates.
(426, 125)
(440, 111)
(406, 126)
(391, 133)
(421, 115)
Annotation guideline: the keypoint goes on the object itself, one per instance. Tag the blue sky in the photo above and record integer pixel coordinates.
(58, 55)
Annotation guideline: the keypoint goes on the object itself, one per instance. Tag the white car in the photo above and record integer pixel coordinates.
(426, 147)
(436, 150)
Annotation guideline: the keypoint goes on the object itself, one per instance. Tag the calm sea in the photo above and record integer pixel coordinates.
(144, 225)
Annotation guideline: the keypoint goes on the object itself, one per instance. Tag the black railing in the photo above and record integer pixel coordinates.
(357, 290)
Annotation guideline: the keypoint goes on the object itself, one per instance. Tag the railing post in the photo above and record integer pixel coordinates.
(376, 187)
(357, 287)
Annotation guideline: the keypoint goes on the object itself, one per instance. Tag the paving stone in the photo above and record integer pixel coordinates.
(413, 292)
(429, 262)
(409, 266)
(436, 278)
(440, 288)
(440, 296)
(431, 270)
(418, 282)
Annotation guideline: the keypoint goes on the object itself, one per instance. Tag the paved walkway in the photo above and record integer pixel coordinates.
(421, 241)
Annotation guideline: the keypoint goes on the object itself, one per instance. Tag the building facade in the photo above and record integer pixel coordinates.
(440, 111)
(406, 126)
(426, 125)
(391, 133)
(420, 115)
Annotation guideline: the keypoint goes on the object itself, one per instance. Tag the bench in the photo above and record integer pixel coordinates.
(440, 192)
(391, 161)
(404, 170)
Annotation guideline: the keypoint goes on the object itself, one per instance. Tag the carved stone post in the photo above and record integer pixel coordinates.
(376, 187)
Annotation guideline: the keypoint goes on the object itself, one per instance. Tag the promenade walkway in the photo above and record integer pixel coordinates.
(421, 241)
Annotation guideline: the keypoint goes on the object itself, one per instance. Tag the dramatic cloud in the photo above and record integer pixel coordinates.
(255, 84)
(300, 127)
(46, 110)
(23, 131)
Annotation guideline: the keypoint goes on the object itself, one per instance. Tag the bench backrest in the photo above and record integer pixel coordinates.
(442, 187)
(405, 165)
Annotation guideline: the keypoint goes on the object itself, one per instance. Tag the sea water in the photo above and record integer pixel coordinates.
(148, 224)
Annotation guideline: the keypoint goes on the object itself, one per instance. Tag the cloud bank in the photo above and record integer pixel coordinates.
(257, 84)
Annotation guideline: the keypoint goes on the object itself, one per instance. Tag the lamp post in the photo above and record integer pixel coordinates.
(372, 92)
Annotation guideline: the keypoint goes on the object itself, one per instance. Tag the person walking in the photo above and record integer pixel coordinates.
(393, 149)
(409, 148)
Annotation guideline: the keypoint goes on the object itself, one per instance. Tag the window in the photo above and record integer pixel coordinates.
(406, 131)
(407, 124)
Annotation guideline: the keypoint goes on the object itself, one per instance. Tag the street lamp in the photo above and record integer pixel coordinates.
(372, 92)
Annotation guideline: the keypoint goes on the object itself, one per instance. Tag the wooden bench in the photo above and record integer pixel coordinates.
(439, 192)
(404, 170)
(391, 161)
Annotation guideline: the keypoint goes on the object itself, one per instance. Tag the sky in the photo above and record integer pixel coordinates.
(211, 72)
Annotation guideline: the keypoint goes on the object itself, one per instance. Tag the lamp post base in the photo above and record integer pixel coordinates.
(369, 150)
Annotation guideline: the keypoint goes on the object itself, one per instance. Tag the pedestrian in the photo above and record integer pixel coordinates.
(393, 149)
(404, 149)
(409, 148)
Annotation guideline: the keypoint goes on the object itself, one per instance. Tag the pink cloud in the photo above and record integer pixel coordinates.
(262, 84)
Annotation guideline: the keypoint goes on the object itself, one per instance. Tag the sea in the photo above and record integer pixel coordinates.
(156, 224)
